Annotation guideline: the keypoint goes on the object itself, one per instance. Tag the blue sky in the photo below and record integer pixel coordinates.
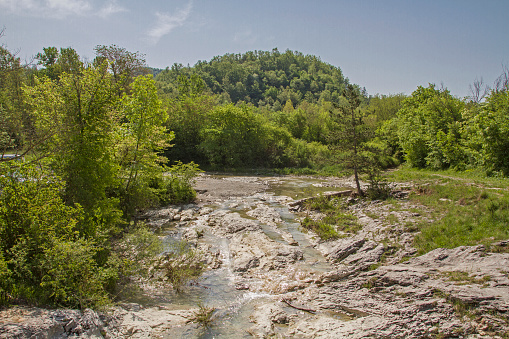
(387, 46)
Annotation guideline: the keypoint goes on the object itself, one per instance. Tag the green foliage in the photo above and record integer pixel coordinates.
(188, 116)
(123, 65)
(493, 124)
(334, 219)
(463, 215)
(76, 112)
(99, 141)
(41, 254)
(5, 281)
(71, 276)
(429, 128)
(56, 62)
(134, 253)
(12, 116)
(349, 136)
(178, 184)
(233, 137)
(203, 315)
(261, 78)
(141, 136)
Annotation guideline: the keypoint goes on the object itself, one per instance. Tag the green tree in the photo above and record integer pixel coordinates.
(349, 134)
(141, 138)
(78, 114)
(490, 129)
(41, 251)
(124, 65)
(429, 128)
(233, 137)
(13, 124)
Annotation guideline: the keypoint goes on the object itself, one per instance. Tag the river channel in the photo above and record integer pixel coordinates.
(235, 295)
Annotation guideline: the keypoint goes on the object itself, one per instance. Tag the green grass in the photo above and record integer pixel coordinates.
(465, 210)
(463, 278)
(335, 219)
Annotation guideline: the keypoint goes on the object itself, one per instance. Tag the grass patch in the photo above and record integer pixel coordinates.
(461, 308)
(334, 218)
(392, 219)
(463, 278)
(465, 210)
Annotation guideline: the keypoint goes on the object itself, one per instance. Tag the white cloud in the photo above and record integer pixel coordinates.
(167, 22)
(59, 8)
(111, 8)
(66, 7)
(19, 5)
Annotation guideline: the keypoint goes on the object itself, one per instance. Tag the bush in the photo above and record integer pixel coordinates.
(72, 277)
(5, 275)
(334, 218)
(43, 259)
(178, 184)
(181, 265)
(135, 252)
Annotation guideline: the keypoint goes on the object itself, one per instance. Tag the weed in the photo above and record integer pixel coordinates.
(372, 215)
(371, 283)
(411, 227)
(203, 316)
(461, 308)
(325, 231)
(181, 265)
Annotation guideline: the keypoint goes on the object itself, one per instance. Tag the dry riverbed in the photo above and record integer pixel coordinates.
(268, 278)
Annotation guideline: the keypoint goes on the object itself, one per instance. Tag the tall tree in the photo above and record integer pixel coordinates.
(349, 134)
(79, 114)
(142, 137)
(12, 117)
(124, 65)
(429, 128)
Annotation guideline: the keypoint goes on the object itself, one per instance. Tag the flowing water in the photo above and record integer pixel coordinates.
(216, 288)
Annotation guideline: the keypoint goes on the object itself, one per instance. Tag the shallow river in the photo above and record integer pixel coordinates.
(217, 288)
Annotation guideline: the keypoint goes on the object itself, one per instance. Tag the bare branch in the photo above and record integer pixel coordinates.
(478, 90)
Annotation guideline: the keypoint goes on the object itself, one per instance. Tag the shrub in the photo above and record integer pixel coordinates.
(72, 277)
(180, 265)
(178, 184)
(43, 259)
(203, 315)
(136, 252)
(5, 275)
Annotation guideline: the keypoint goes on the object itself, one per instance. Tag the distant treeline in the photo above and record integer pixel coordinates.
(262, 78)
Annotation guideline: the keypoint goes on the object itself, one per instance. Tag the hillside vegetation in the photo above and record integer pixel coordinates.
(99, 142)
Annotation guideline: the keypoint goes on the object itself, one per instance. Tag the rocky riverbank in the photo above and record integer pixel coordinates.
(286, 283)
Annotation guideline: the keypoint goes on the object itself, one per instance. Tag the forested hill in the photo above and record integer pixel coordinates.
(262, 78)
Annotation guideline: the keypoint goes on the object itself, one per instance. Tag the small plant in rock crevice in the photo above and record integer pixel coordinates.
(180, 265)
(203, 316)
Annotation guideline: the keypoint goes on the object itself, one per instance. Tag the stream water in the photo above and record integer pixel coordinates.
(216, 288)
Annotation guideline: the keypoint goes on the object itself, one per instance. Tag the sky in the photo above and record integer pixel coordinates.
(386, 46)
